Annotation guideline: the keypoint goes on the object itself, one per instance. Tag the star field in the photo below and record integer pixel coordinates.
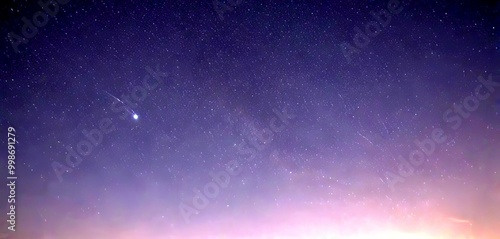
(252, 119)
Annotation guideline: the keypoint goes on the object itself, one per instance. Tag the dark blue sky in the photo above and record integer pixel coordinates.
(312, 131)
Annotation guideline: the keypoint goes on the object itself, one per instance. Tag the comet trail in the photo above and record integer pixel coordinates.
(130, 110)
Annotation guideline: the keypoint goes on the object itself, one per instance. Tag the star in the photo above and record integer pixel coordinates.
(298, 119)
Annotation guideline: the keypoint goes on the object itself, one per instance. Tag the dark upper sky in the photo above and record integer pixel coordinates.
(293, 119)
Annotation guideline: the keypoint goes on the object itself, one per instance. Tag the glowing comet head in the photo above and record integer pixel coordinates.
(135, 116)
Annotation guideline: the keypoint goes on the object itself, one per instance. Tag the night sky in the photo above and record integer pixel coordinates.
(248, 119)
